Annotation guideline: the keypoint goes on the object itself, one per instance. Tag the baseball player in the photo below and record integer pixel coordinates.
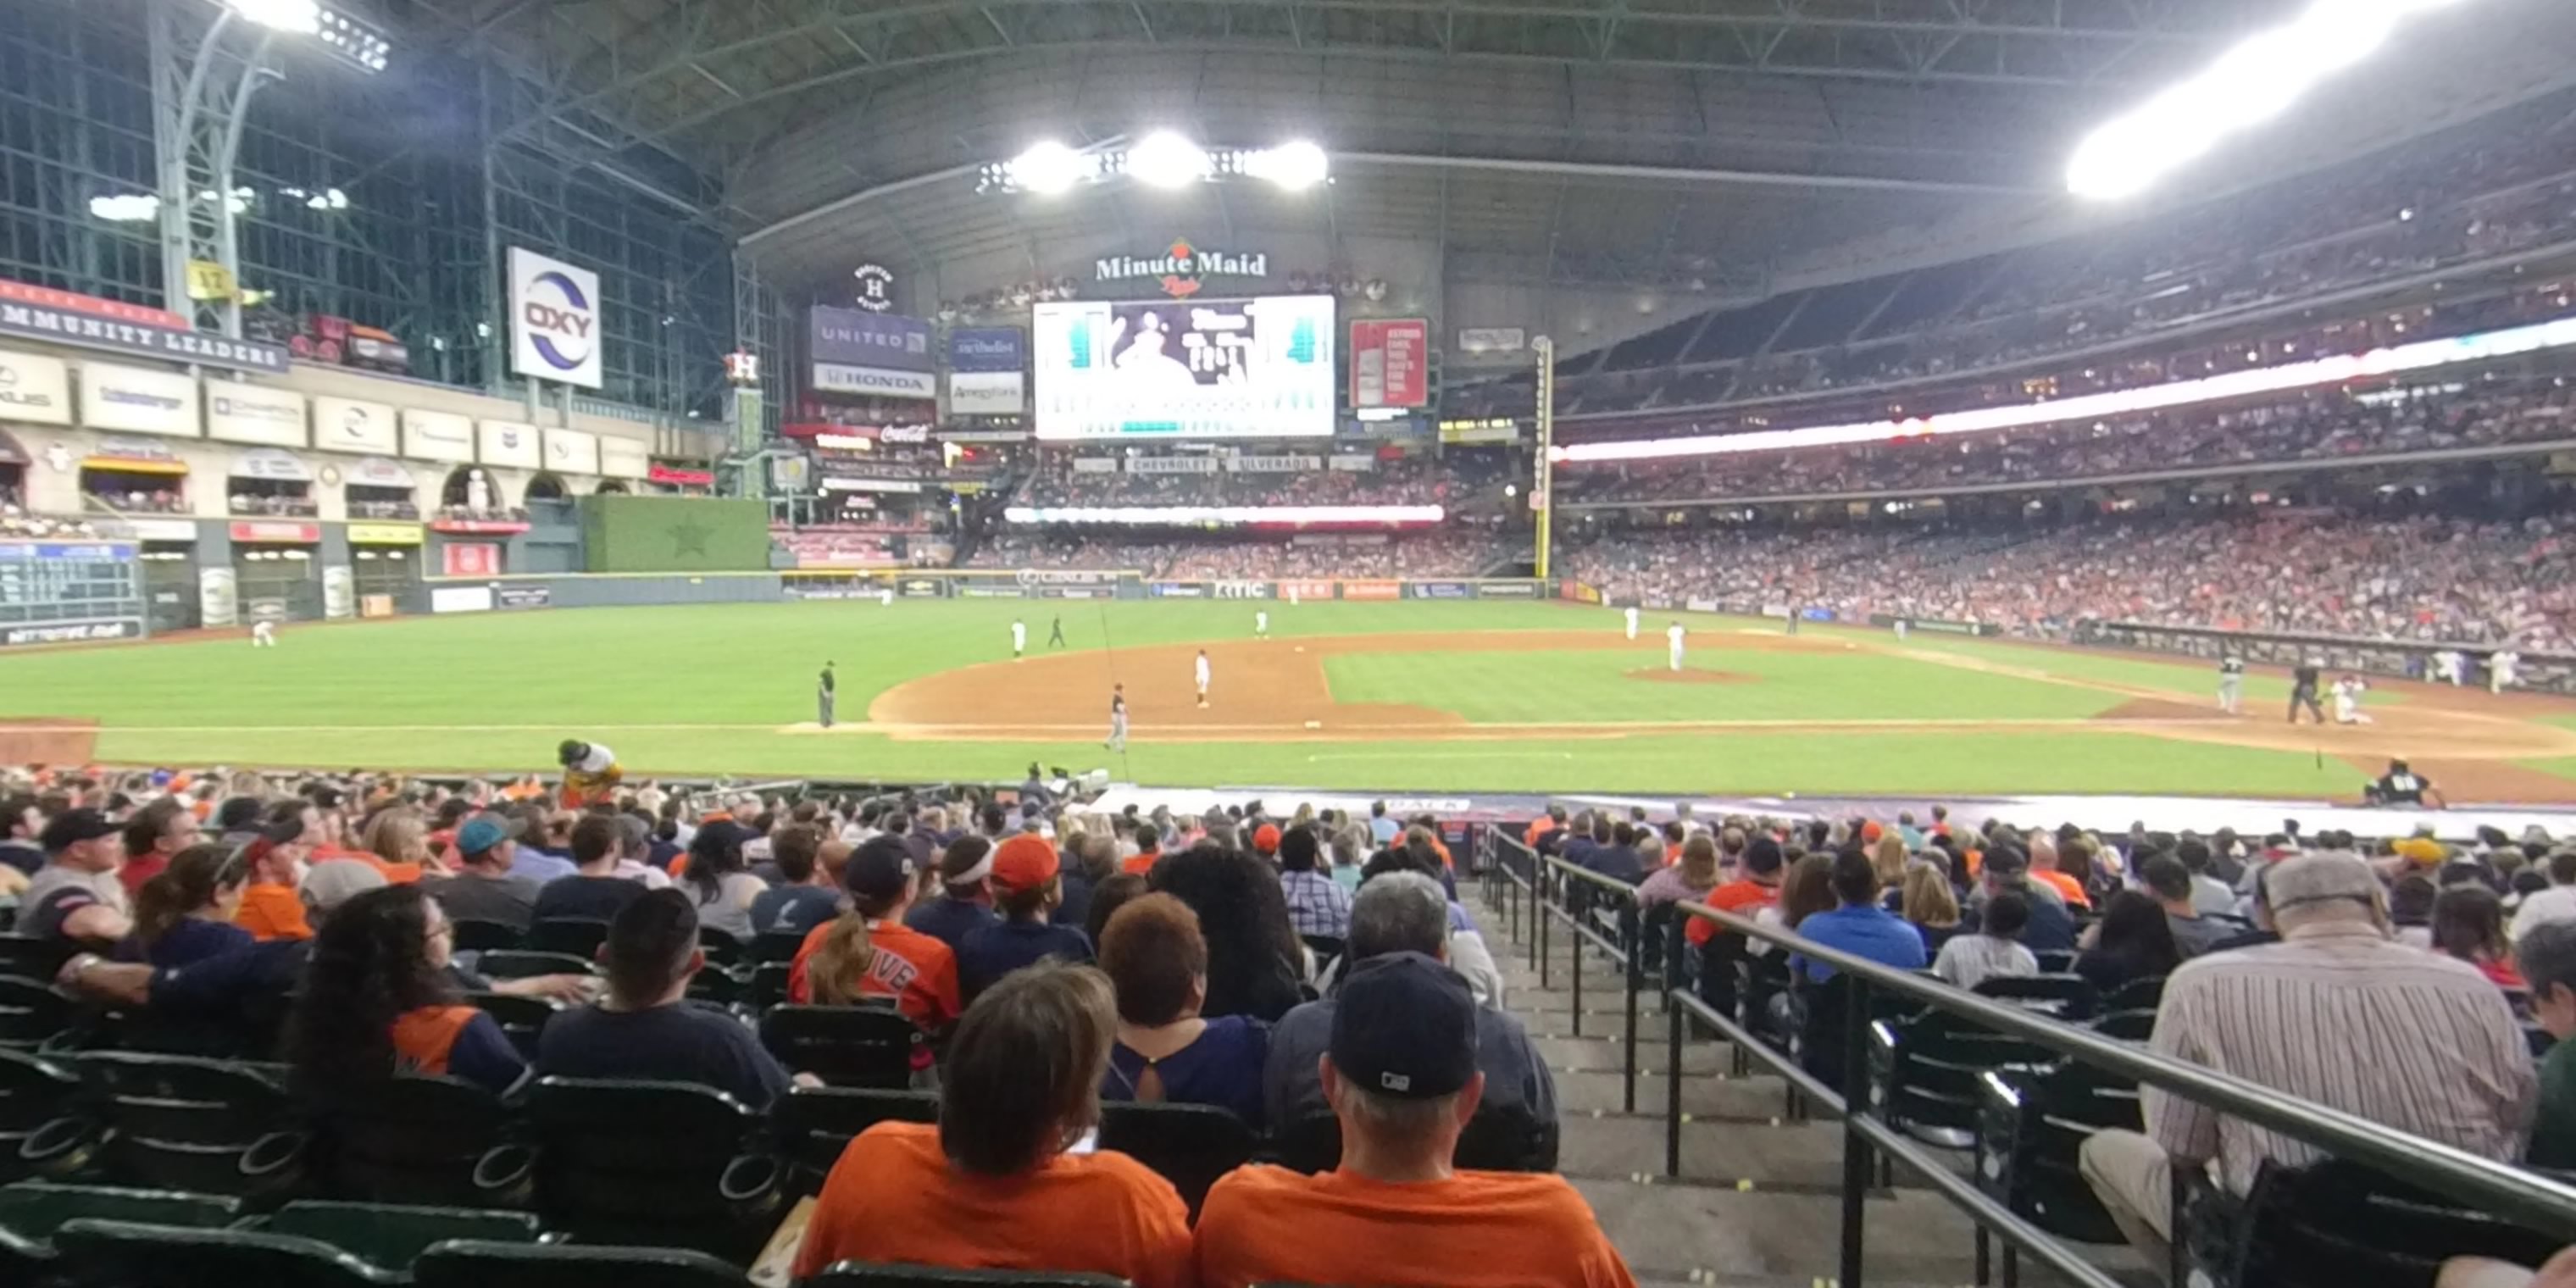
(823, 696)
(263, 634)
(2231, 681)
(2501, 669)
(1019, 638)
(1261, 624)
(1632, 623)
(1900, 630)
(2452, 666)
(1673, 636)
(886, 596)
(591, 773)
(1117, 718)
(1201, 671)
(1292, 595)
(1055, 634)
(2347, 700)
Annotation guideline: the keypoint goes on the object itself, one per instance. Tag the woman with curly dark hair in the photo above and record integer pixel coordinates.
(1255, 960)
(378, 1000)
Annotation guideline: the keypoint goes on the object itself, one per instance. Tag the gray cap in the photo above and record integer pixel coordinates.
(2318, 878)
(333, 882)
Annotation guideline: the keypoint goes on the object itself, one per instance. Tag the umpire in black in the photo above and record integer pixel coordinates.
(823, 695)
(2303, 690)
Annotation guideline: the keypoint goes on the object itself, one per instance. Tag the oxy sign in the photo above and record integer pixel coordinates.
(554, 320)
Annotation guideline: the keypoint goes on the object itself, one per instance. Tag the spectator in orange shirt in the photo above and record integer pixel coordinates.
(1401, 1074)
(272, 907)
(2043, 867)
(1758, 885)
(1149, 850)
(1003, 1181)
(1545, 823)
(869, 952)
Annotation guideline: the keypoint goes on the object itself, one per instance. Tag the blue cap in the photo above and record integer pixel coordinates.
(1404, 1025)
(484, 831)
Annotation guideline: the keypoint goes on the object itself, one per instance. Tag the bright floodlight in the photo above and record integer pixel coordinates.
(1294, 166)
(2251, 83)
(1049, 167)
(1166, 160)
(303, 17)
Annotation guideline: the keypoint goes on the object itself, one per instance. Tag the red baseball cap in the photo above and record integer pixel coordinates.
(1023, 862)
(1265, 838)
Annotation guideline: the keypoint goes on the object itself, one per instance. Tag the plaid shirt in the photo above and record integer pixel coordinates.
(1317, 904)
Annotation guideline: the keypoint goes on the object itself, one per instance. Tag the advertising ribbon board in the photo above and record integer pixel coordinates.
(1440, 590)
(1506, 590)
(1178, 590)
(1373, 590)
(61, 317)
(1316, 589)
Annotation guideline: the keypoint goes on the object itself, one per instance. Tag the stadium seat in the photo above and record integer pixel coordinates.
(1493, 1141)
(1818, 1025)
(716, 986)
(2128, 1026)
(31, 1213)
(392, 1235)
(474, 935)
(43, 1128)
(2068, 997)
(187, 1123)
(657, 1163)
(128, 1254)
(816, 1123)
(524, 964)
(31, 1013)
(429, 1140)
(722, 949)
(522, 1018)
(856, 1274)
(2336, 1224)
(572, 936)
(776, 946)
(476, 1263)
(2136, 995)
(1189, 1145)
(2031, 1125)
(846, 1046)
(2055, 961)
(1927, 1074)
(29, 957)
(769, 985)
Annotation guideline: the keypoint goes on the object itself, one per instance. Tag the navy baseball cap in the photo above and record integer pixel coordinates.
(73, 826)
(483, 831)
(1405, 1026)
(880, 870)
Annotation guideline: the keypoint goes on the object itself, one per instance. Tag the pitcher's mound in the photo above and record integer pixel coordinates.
(1666, 675)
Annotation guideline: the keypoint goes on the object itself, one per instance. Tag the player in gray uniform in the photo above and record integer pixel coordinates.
(823, 696)
(2231, 681)
(1117, 718)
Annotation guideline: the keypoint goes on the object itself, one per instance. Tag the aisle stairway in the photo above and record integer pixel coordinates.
(1757, 1204)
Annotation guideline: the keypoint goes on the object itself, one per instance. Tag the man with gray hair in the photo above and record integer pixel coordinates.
(1402, 912)
(2338, 1013)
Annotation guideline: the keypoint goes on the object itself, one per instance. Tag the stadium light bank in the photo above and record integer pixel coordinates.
(2254, 81)
(2423, 355)
(1162, 159)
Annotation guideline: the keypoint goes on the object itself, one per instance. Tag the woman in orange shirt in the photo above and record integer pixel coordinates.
(1006, 1180)
(378, 1001)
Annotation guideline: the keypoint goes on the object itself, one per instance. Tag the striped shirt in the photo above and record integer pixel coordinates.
(2341, 1016)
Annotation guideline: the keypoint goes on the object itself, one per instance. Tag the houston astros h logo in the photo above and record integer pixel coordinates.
(559, 320)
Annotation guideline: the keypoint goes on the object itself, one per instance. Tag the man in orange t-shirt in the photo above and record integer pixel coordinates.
(915, 969)
(995, 1185)
(1401, 1074)
(1545, 823)
(1759, 884)
(1149, 851)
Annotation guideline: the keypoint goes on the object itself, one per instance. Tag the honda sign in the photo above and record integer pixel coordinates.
(554, 320)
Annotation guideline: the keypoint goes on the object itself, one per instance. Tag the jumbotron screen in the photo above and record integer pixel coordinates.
(1259, 368)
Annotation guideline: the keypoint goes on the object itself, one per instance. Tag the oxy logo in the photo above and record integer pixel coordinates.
(353, 423)
(561, 321)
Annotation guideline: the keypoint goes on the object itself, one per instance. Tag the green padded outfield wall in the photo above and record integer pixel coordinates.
(674, 534)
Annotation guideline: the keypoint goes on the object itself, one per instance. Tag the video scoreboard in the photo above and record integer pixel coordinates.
(62, 592)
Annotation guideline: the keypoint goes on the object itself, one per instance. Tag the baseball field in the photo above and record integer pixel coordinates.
(1394, 697)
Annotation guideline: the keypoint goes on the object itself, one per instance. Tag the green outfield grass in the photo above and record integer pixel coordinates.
(708, 689)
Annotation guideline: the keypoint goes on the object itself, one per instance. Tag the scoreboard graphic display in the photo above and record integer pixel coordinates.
(64, 592)
(1257, 368)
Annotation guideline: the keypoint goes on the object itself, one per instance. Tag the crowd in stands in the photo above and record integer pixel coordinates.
(2437, 202)
(2303, 571)
(486, 514)
(1450, 551)
(367, 509)
(2327, 425)
(168, 500)
(278, 504)
(1285, 967)
(1412, 480)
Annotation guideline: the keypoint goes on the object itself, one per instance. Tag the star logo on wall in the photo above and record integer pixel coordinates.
(689, 538)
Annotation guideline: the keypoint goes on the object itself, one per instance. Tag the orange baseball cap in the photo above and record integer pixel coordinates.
(1265, 838)
(1023, 862)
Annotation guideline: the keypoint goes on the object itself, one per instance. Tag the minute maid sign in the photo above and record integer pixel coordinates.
(1182, 268)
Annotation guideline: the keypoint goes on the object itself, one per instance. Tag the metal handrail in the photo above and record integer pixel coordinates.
(2520, 1195)
(1624, 952)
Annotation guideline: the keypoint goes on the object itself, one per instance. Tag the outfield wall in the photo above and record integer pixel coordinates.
(1031, 583)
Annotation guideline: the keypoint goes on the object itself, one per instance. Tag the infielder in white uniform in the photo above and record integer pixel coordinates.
(1019, 638)
(263, 635)
(886, 596)
(1900, 630)
(1673, 636)
(1292, 596)
(2451, 666)
(1632, 623)
(2501, 669)
(1261, 624)
(1117, 718)
(1201, 671)
(2347, 700)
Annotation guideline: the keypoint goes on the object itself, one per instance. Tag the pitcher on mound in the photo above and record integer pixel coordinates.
(1201, 672)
